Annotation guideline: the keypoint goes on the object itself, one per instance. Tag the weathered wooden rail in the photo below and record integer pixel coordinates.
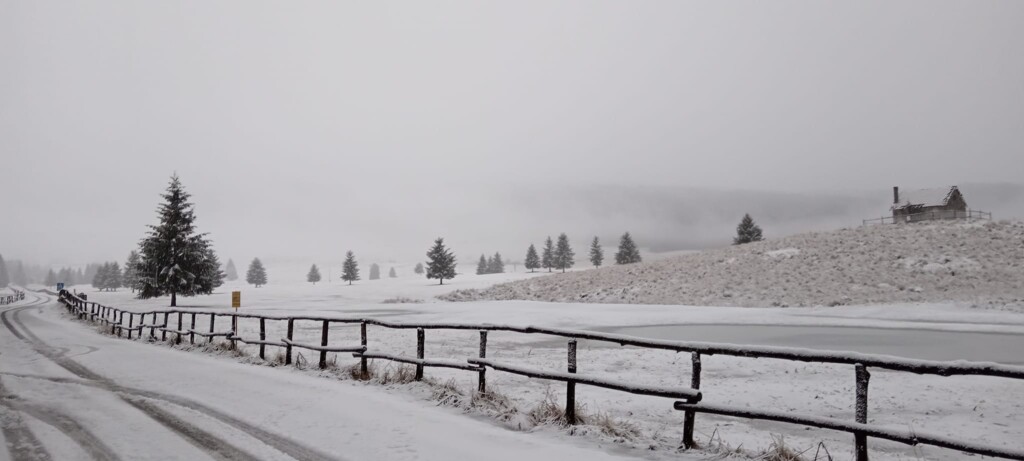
(939, 215)
(690, 398)
(11, 298)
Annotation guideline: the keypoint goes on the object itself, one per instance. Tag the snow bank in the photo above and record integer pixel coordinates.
(927, 262)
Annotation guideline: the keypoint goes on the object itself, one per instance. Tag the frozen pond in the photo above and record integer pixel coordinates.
(921, 344)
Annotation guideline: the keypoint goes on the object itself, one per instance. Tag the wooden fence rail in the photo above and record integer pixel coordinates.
(11, 298)
(690, 397)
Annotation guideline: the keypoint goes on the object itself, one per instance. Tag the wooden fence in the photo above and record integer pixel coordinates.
(936, 215)
(11, 298)
(689, 397)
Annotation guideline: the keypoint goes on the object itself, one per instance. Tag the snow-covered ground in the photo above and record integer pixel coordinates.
(976, 408)
(978, 263)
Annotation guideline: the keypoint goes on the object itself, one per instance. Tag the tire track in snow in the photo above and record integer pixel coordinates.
(135, 398)
(21, 443)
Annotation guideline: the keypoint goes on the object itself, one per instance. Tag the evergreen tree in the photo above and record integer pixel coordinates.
(113, 280)
(392, 274)
(747, 231)
(175, 257)
(212, 275)
(257, 274)
(65, 276)
(532, 260)
(51, 279)
(547, 259)
(314, 275)
(350, 270)
(596, 253)
(131, 271)
(5, 278)
(230, 273)
(99, 277)
(482, 266)
(374, 271)
(564, 256)
(419, 268)
(440, 262)
(628, 252)
(496, 265)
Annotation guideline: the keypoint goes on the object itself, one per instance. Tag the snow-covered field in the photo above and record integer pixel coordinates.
(976, 408)
(977, 263)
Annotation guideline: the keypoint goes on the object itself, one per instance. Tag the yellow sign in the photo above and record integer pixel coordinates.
(236, 299)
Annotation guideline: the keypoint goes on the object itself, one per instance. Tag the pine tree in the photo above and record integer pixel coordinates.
(113, 280)
(51, 279)
(392, 274)
(99, 278)
(175, 257)
(257, 274)
(314, 275)
(418, 269)
(350, 270)
(596, 253)
(532, 260)
(130, 278)
(564, 256)
(440, 262)
(628, 252)
(230, 273)
(496, 265)
(212, 275)
(747, 231)
(482, 266)
(65, 276)
(5, 278)
(547, 259)
(374, 272)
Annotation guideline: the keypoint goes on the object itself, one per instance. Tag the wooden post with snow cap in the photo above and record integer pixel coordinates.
(152, 327)
(213, 318)
(178, 338)
(481, 385)
(192, 330)
(570, 387)
(690, 416)
(120, 323)
(263, 337)
(861, 440)
(163, 334)
(323, 343)
(131, 320)
(234, 331)
(363, 370)
(420, 339)
(288, 344)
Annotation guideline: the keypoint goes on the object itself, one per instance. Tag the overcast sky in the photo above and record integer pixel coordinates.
(306, 128)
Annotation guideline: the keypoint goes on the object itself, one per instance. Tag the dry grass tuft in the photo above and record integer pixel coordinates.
(447, 394)
(779, 451)
(494, 403)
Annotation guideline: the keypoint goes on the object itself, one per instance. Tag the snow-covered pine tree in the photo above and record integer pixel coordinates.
(628, 252)
(51, 279)
(747, 231)
(496, 265)
(482, 266)
(130, 278)
(547, 259)
(91, 270)
(212, 275)
(5, 278)
(113, 279)
(392, 273)
(564, 256)
(374, 272)
(532, 260)
(418, 269)
(99, 278)
(230, 273)
(174, 255)
(314, 274)
(350, 270)
(257, 274)
(596, 253)
(440, 262)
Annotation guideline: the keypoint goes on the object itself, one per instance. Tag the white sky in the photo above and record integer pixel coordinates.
(305, 128)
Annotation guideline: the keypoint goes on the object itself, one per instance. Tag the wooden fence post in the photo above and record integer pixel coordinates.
(131, 319)
(861, 440)
(570, 387)
(113, 321)
(234, 331)
(420, 339)
(152, 328)
(288, 347)
(263, 337)
(363, 370)
(163, 333)
(481, 385)
(323, 343)
(178, 338)
(192, 330)
(213, 318)
(120, 323)
(690, 416)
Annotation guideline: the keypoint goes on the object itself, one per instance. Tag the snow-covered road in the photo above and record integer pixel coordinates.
(70, 393)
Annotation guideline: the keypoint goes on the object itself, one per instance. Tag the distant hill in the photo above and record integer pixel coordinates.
(980, 263)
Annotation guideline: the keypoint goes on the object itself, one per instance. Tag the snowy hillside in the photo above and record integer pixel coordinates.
(981, 263)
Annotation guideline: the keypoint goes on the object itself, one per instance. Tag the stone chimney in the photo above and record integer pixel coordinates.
(895, 195)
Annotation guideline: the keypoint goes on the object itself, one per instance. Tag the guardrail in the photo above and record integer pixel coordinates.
(935, 215)
(690, 397)
(12, 298)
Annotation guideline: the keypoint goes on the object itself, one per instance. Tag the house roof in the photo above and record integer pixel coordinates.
(938, 196)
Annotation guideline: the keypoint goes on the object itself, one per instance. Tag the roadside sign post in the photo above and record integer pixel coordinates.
(236, 302)
(60, 286)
